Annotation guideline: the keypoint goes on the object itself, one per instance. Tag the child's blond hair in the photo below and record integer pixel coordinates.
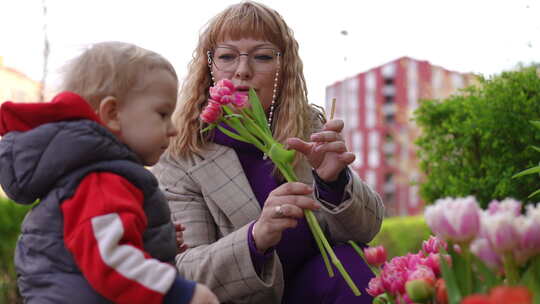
(110, 69)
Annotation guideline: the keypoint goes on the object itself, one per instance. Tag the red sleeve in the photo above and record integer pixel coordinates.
(103, 226)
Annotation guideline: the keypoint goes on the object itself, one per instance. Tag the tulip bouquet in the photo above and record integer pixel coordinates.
(477, 256)
(244, 115)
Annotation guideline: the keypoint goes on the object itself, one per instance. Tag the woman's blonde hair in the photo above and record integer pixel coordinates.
(110, 69)
(247, 19)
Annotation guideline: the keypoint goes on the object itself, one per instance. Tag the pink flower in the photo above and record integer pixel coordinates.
(224, 92)
(506, 205)
(456, 220)
(211, 112)
(422, 273)
(433, 244)
(394, 275)
(433, 261)
(528, 229)
(375, 256)
(240, 100)
(482, 249)
(500, 230)
(375, 287)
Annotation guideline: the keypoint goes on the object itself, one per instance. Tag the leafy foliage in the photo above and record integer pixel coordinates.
(535, 169)
(473, 143)
(11, 216)
(401, 235)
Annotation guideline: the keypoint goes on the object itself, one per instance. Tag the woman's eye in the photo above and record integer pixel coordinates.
(227, 57)
(263, 57)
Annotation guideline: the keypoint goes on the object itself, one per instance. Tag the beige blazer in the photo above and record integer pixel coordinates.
(210, 194)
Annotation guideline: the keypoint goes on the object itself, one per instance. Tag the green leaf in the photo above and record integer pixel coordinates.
(258, 111)
(534, 193)
(231, 134)
(528, 171)
(537, 149)
(487, 280)
(454, 294)
(535, 123)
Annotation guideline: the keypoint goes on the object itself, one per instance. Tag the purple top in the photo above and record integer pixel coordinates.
(297, 245)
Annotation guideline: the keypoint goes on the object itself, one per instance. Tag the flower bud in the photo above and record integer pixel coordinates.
(381, 299)
(419, 291)
(375, 256)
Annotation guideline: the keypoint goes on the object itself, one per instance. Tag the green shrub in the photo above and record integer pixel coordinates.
(401, 235)
(472, 144)
(11, 216)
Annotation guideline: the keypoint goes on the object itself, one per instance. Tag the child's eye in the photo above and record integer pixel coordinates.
(163, 114)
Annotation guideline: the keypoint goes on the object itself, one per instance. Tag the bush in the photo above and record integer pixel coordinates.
(472, 144)
(11, 216)
(401, 235)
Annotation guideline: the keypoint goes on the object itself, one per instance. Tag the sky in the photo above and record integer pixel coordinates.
(337, 38)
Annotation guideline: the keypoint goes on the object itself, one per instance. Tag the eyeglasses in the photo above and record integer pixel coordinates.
(261, 59)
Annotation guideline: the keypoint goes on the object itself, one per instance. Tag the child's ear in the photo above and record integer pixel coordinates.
(108, 113)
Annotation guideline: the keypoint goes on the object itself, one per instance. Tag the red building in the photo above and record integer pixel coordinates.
(377, 107)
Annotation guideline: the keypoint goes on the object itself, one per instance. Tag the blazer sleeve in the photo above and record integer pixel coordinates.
(358, 218)
(222, 262)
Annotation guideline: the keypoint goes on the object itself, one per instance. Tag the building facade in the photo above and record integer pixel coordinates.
(377, 107)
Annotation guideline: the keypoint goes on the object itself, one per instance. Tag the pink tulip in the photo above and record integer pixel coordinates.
(500, 229)
(375, 256)
(394, 275)
(211, 112)
(457, 220)
(422, 273)
(433, 244)
(375, 287)
(482, 249)
(224, 93)
(433, 261)
(506, 205)
(528, 229)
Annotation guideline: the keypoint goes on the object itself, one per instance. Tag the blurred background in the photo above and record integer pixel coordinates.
(379, 59)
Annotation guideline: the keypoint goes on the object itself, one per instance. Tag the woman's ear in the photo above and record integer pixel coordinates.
(108, 113)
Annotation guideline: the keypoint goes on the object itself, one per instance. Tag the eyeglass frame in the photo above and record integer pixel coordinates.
(210, 55)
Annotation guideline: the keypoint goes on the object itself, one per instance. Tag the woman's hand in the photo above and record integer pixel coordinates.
(327, 152)
(282, 209)
(180, 245)
(203, 295)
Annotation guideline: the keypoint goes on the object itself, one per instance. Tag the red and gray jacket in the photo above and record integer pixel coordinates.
(101, 232)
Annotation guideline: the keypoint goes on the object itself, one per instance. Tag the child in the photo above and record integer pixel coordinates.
(101, 232)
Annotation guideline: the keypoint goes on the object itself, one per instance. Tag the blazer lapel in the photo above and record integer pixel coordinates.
(223, 180)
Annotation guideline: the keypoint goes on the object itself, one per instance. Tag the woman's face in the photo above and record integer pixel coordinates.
(248, 63)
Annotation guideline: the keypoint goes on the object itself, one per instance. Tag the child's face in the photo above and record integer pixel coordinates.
(145, 116)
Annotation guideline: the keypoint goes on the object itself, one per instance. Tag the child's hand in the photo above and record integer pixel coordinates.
(203, 295)
(180, 246)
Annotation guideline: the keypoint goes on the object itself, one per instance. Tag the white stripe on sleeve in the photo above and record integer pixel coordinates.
(128, 260)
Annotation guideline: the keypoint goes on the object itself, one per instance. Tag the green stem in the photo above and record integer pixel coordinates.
(358, 250)
(317, 238)
(510, 268)
(334, 258)
(468, 269)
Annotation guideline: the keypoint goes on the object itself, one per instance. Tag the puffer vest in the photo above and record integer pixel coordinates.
(47, 271)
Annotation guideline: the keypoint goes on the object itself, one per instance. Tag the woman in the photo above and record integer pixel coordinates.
(247, 238)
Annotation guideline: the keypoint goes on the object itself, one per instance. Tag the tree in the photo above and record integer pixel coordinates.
(473, 143)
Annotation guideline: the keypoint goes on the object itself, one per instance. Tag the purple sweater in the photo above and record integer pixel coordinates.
(297, 245)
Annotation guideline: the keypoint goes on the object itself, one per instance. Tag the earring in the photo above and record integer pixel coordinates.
(209, 58)
(273, 104)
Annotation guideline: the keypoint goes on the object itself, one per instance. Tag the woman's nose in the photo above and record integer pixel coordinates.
(243, 70)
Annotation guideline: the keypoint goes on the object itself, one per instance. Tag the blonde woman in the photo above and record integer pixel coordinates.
(246, 236)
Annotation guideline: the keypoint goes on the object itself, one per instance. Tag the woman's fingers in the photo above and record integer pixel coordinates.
(336, 147)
